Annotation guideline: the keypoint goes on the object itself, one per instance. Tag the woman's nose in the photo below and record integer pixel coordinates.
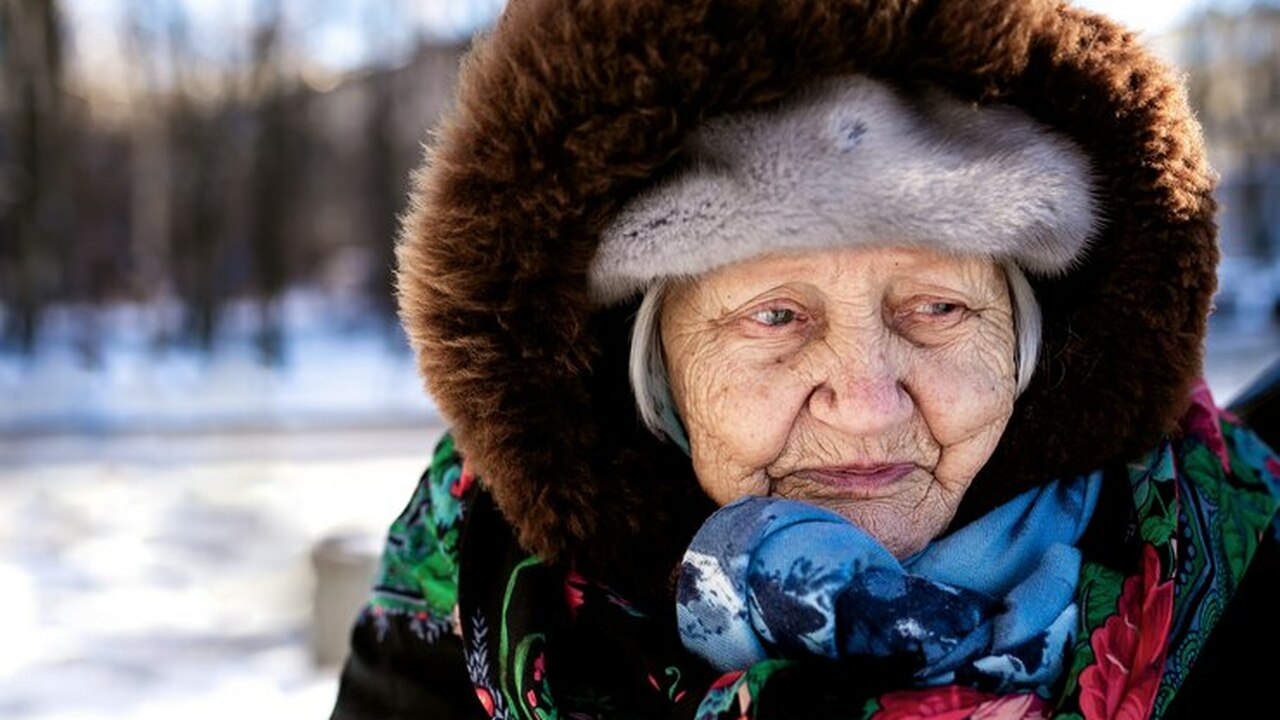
(861, 391)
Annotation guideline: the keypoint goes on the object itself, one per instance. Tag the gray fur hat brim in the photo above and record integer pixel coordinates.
(854, 162)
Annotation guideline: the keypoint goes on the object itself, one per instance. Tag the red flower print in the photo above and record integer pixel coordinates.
(486, 700)
(1202, 422)
(1130, 648)
(726, 679)
(460, 488)
(1028, 706)
(573, 584)
(957, 703)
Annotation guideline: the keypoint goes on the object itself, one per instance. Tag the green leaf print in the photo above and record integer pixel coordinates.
(1099, 592)
(1099, 597)
(1243, 513)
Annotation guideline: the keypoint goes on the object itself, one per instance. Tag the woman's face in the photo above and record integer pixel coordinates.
(873, 382)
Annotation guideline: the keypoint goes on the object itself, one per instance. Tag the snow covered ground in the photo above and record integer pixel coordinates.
(158, 514)
(171, 576)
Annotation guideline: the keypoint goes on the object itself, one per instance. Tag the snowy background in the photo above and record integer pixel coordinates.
(158, 514)
(161, 504)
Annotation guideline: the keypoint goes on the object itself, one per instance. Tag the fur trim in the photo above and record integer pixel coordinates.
(851, 162)
(568, 109)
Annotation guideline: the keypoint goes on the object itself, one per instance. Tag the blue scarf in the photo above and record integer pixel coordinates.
(992, 605)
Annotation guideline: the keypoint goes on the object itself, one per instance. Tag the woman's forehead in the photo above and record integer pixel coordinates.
(845, 265)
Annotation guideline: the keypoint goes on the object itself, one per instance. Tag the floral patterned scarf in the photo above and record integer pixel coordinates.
(1169, 542)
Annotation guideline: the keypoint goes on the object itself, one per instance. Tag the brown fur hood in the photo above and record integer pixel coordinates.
(569, 107)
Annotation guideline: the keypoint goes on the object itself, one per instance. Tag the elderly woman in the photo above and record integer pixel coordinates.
(818, 358)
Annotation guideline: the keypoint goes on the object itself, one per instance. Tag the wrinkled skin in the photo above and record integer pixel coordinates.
(873, 382)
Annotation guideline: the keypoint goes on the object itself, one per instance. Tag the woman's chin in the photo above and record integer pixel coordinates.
(899, 515)
(900, 534)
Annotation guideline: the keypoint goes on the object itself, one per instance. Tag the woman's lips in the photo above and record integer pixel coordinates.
(858, 477)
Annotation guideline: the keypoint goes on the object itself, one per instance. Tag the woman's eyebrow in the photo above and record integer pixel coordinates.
(961, 279)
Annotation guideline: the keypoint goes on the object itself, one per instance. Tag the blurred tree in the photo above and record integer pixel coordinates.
(186, 168)
(178, 151)
(233, 159)
(278, 164)
(32, 145)
(386, 169)
(148, 180)
(200, 155)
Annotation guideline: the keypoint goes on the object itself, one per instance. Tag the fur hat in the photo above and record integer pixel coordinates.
(850, 161)
(567, 111)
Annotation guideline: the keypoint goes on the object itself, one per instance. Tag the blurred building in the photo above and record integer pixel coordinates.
(1232, 61)
(1233, 66)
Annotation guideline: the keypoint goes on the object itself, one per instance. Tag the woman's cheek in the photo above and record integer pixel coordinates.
(737, 419)
(965, 388)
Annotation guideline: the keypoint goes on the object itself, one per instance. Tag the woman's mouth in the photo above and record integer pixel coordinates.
(858, 477)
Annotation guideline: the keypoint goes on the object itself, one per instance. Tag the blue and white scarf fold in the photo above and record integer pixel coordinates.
(991, 605)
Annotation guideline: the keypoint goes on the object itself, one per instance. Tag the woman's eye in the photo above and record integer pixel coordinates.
(924, 316)
(775, 317)
(940, 308)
